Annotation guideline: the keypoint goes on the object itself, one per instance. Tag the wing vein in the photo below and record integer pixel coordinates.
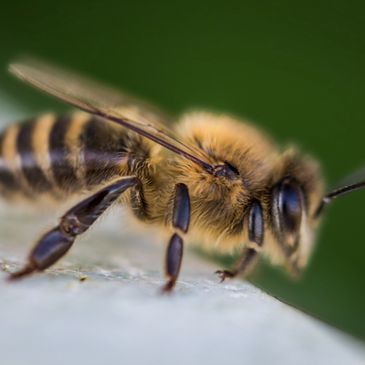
(108, 104)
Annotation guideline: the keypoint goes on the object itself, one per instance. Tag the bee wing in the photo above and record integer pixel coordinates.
(103, 101)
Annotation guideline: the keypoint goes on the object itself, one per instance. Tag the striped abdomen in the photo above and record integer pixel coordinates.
(64, 155)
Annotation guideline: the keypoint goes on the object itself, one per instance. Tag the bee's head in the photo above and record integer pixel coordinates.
(292, 227)
(296, 203)
(294, 196)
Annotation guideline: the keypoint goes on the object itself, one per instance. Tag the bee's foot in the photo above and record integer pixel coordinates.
(168, 287)
(224, 274)
(27, 270)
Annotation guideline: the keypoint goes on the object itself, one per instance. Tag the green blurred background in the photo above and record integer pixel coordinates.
(295, 68)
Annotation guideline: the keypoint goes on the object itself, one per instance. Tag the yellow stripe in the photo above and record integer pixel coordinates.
(76, 159)
(11, 157)
(9, 151)
(40, 145)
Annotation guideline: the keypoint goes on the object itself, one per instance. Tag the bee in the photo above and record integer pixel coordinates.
(210, 178)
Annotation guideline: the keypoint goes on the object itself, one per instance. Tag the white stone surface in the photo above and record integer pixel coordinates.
(118, 316)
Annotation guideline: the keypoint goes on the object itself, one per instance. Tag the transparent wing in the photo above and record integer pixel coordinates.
(103, 101)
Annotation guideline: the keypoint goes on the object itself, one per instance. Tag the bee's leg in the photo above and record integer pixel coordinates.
(256, 238)
(56, 242)
(243, 265)
(180, 223)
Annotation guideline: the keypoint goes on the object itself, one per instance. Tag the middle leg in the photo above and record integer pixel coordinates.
(180, 224)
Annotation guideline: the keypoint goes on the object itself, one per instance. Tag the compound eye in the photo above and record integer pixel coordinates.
(288, 206)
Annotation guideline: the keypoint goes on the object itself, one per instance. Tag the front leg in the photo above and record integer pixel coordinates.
(243, 265)
(180, 224)
(56, 242)
(256, 237)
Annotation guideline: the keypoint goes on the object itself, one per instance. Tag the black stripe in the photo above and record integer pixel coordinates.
(103, 148)
(62, 169)
(7, 179)
(31, 171)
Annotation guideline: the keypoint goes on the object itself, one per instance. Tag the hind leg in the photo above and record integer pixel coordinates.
(56, 242)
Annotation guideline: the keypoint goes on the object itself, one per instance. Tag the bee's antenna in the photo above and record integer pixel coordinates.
(353, 182)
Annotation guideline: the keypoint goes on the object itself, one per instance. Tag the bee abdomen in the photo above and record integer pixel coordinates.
(62, 155)
(25, 159)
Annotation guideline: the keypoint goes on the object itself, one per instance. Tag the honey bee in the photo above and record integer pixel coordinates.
(212, 179)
